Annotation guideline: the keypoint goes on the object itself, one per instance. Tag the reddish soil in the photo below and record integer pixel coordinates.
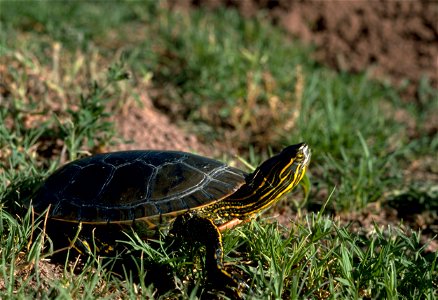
(146, 128)
(394, 40)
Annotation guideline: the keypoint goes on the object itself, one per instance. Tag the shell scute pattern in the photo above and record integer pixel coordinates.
(175, 179)
(129, 185)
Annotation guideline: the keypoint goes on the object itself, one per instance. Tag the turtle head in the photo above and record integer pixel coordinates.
(265, 186)
(282, 172)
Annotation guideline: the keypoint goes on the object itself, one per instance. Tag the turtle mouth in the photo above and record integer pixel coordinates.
(307, 153)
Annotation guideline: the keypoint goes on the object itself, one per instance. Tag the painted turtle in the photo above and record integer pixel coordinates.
(197, 195)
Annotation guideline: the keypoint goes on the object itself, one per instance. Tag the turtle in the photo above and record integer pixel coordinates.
(195, 198)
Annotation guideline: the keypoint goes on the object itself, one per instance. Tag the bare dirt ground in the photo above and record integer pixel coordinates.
(146, 128)
(398, 40)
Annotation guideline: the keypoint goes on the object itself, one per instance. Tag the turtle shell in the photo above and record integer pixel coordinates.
(125, 186)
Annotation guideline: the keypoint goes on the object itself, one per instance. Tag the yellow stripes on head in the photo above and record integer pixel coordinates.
(275, 177)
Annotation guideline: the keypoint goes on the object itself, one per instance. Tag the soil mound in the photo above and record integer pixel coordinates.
(397, 39)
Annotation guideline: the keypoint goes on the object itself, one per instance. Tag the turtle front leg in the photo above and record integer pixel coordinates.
(193, 228)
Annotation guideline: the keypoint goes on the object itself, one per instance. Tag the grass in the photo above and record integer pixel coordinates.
(238, 81)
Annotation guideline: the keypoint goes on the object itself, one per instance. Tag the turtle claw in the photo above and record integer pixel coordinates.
(242, 289)
(233, 286)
